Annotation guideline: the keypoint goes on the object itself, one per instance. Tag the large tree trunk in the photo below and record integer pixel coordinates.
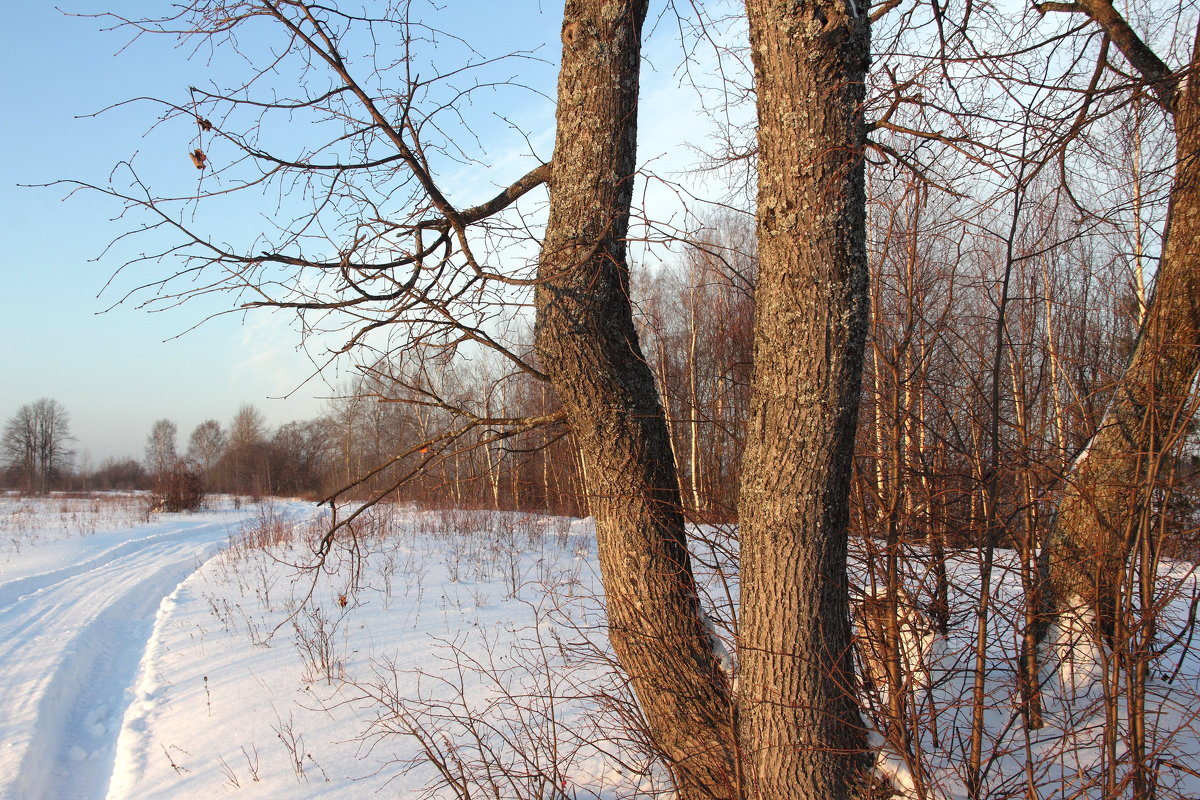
(1084, 559)
(587, 344)
(799, 728)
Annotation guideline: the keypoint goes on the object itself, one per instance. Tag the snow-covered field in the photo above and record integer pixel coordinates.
(201, 655)
(77, 606)
(448, 655)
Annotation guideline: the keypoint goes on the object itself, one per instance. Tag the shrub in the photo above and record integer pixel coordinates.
(177, 489)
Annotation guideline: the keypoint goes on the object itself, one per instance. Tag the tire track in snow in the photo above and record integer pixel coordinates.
(70, 644)
(16, 589)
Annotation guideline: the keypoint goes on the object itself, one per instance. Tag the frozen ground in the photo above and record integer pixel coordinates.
(77, 609)
(445, 655)
(199, 655)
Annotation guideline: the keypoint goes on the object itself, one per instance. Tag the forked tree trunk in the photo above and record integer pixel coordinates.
(1089, 543)
(587, 343)
(799, 728)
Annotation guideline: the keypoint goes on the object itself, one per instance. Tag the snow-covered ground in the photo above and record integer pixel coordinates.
(202, 655)
(77, 608)
(448, 655)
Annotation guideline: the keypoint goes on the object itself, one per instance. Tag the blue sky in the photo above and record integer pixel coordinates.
(118, 370)
(115, 372)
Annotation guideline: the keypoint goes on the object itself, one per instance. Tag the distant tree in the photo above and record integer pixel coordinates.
(34, 444)
(249, 427)
(301, 456)
(206, 445)
(161, 454)
(245, 463)
(113, 474)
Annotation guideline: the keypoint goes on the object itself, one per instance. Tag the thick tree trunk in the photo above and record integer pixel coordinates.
(1084, 559)
(587, 343)
(799, 728)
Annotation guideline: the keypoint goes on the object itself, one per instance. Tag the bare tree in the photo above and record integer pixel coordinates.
(696, 319)
(161, 455)
(799, 728)
(387, 259)
(1096, 525)
(34, 443)
(587, 344)
(244, 463)
(205, 445)
(301, 456)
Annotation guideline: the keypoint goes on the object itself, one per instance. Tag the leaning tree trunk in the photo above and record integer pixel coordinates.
(587, 344)
(1084, 559)
(799, 729)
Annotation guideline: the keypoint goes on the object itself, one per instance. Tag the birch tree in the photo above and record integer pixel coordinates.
(161, 455)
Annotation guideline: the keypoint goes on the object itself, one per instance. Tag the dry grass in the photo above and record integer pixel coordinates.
(26, 519)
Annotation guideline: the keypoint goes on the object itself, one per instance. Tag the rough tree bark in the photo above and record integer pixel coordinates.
(1084, 558)
(799, 728)
(799, 734)
(587, 344)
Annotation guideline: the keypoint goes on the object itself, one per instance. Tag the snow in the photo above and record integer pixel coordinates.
(204, 655)
(1073, 754)
(75, 614)
(201, 655)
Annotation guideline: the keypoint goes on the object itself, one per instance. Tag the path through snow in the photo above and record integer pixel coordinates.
(71, 639)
